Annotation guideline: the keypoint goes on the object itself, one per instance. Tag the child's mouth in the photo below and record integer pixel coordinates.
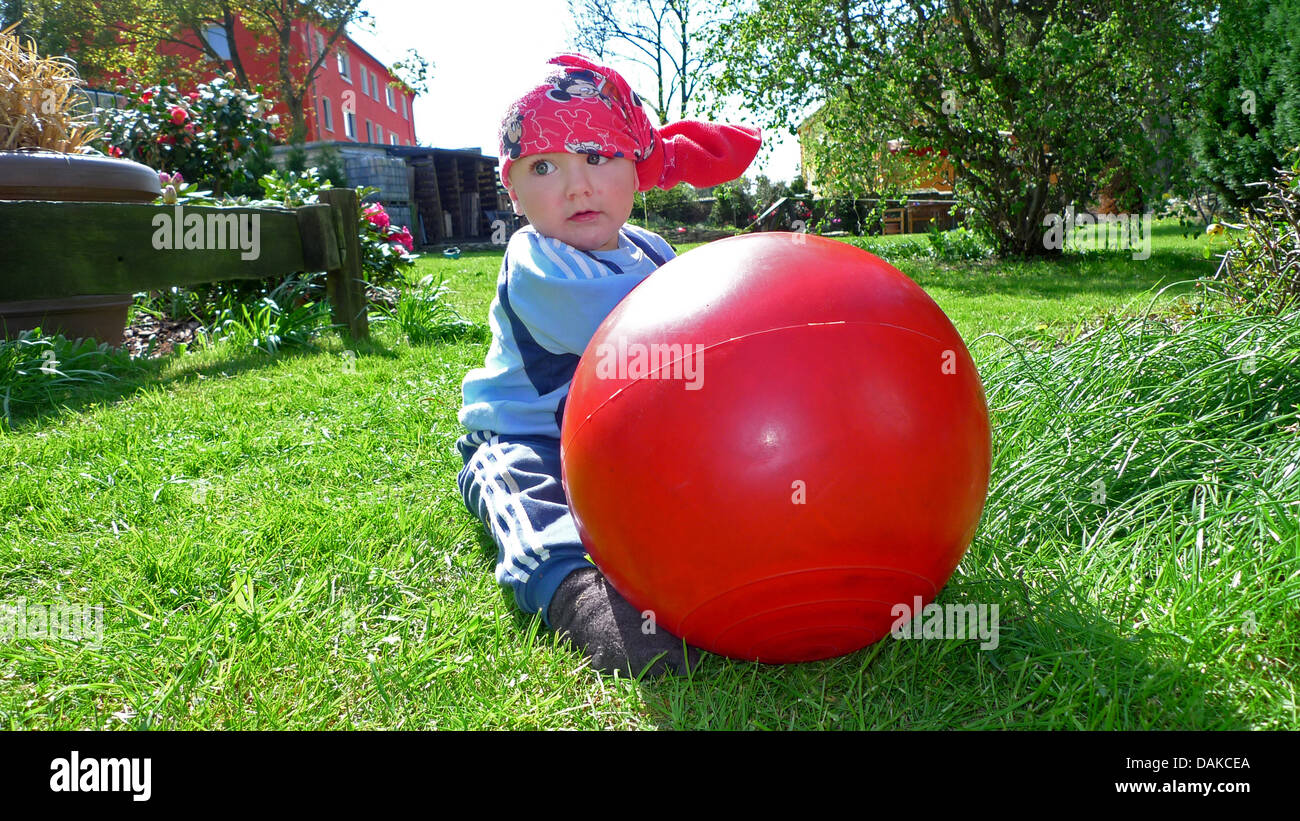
(584, 216)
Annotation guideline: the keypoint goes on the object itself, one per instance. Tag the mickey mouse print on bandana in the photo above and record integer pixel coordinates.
(580, 107)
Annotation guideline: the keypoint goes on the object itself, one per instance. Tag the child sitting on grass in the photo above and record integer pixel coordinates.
(575, 149)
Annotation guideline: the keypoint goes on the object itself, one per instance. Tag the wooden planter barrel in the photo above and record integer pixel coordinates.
(54, 177)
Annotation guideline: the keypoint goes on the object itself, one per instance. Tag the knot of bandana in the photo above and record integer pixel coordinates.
(580, 107)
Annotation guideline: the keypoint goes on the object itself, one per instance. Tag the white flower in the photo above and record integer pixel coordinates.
(274, 119)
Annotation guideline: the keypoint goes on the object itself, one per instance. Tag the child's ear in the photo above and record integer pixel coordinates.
(514, 199)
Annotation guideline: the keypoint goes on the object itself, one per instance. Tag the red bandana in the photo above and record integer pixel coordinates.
(584, 108)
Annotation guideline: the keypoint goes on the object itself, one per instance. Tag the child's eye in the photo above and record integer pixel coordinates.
(596, 159)
(538, 167)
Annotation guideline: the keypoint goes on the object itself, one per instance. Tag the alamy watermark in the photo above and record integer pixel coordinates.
(948, 621)
(1087, 232)
(637, 360)
(66, 622)
(76, 774)
(211, 231)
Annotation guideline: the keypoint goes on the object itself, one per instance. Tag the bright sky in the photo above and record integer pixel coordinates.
(473, 46)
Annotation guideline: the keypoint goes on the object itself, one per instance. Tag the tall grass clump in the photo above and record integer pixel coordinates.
(35, 370)
(424, 316)
(287, 317)
(1154, 466)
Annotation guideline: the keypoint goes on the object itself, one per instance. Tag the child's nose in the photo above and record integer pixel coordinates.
(580, 181)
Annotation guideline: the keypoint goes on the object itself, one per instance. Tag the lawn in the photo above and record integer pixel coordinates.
(278, 542)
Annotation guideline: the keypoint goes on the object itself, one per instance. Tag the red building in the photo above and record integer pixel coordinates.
(353, 97)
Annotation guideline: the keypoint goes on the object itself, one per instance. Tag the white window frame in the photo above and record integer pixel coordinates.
(344, 70)
(388, 97)
(379, 133)
(350, 125)
(365, 80)
(370, 132)
(404, 115)
(392, 138)
(328, 115)
(320, 44)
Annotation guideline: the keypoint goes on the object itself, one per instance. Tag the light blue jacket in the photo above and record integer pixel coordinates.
(550, 299)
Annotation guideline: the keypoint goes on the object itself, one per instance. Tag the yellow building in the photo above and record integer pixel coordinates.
(914, 170)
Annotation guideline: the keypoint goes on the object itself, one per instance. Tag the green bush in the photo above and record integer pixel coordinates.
(676, 206)
(957, 245)
(1247, 106)
(217, 136)
(1260, 273)
(385, 250)
(732, 205)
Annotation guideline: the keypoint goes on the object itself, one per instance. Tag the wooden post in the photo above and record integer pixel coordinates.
(344, 283)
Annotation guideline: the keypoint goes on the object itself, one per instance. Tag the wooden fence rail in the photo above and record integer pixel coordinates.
(61, 249)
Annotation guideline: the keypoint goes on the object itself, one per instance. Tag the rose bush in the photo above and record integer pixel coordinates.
(218, 136)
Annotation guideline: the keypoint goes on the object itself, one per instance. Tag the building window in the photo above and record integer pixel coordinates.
(320, 43)
(404, 117)
(343, 66)
(374, 87)
(388, 97)
(215, 36)
(365, 81)
(379, 133)
(370, 134)
(350, 125)
(326, 115)
(392, 138)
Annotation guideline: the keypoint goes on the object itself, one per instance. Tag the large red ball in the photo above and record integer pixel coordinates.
(814, 453)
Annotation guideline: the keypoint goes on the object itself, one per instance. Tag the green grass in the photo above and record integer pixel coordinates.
(278, 542)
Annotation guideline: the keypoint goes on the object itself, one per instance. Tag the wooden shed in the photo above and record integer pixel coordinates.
(455, 193)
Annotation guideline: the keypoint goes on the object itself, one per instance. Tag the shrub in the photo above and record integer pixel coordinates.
(675, 206)
(1260, 273)
(732, 205)
(956, 245)
(218, 136)
(385, 248)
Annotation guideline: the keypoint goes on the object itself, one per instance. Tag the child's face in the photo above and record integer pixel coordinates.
(581, 199)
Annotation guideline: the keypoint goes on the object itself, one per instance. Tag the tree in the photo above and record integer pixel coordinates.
(666, 36)
(1248, 105)
(125, 36)
(1038, 102)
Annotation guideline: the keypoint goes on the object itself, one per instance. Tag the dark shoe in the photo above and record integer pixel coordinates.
(611, 632)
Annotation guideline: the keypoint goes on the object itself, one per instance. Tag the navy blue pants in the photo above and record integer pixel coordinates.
(512, 484)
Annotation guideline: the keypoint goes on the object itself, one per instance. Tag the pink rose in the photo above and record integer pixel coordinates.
(377, 216)
(403, 238)
(179, 115)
